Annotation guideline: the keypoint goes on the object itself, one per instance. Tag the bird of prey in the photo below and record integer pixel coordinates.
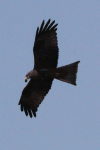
(46, 53)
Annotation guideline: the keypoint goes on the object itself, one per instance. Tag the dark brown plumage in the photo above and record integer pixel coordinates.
(45, 52)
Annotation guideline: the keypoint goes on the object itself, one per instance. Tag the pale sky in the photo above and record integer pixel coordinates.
(69, 116)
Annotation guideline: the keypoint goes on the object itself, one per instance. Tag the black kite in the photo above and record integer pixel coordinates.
(45, 69)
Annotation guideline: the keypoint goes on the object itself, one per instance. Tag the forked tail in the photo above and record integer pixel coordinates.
(67, 73)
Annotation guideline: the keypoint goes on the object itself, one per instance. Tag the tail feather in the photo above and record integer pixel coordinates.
(67, 73)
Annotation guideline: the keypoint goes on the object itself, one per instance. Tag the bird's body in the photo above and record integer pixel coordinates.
(45, 69)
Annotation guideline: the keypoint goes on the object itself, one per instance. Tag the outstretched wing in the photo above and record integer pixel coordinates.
(33, 94)
(45, 57)
(45, 46)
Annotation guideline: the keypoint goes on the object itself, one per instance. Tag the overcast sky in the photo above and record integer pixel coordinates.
(69, 117)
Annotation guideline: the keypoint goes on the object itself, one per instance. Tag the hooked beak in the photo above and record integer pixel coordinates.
(25, 79)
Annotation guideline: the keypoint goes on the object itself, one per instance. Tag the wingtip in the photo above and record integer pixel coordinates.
(34, 115)
(49, 20)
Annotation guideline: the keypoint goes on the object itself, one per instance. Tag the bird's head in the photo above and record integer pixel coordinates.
(26, 78)
(33, 73)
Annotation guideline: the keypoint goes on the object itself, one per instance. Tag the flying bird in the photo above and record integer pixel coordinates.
(46, 53)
